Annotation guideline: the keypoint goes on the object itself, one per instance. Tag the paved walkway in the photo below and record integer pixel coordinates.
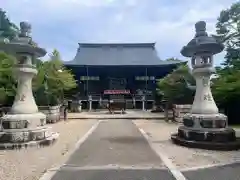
(115, 150)
(195, 164)
(225, 172)
(130, 114)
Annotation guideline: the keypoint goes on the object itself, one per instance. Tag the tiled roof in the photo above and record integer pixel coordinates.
(117, 54)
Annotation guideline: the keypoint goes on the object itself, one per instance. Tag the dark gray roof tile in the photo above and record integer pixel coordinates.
(117, 54)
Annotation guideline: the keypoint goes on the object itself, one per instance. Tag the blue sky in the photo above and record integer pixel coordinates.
(62, 24)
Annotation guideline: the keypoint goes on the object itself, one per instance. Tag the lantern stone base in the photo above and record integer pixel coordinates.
(206, 138)
(23, 130)
(206, 121)
(43, 142)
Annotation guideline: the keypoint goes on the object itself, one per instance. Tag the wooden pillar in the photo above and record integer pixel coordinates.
(143, 103)
(90, 102)
(134, 103)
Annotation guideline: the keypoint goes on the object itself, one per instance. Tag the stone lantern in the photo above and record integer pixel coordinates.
(24, 125)
(204, 127)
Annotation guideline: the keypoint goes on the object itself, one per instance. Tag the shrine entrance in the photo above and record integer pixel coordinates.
(116, 94)
(118, 84)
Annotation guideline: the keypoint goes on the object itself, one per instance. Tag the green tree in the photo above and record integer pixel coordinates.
(55, 55)
(39, 78)
(55, 70)
(8, 28)
(226, 88)
(56, 77)
(228, 32)
(7, 81)
(174, 86)
(173, 59)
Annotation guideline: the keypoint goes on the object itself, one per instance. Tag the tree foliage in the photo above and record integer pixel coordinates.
(54, 79)
(57, 81)
(228, 32)
(226, 88)
(174, 87)
(173, 59)
(10, 30)
(59, 77)
(7, 81)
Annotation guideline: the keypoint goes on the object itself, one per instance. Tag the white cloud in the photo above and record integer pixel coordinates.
(63, 23)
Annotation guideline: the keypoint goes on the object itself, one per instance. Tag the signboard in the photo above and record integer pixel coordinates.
(117, 91)
(144, 78)
(143, 91)
(89, 78)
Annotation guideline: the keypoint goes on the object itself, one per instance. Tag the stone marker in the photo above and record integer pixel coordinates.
(204, 127)
(24, 125)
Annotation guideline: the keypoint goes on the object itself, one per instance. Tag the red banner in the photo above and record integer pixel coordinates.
(116, 91)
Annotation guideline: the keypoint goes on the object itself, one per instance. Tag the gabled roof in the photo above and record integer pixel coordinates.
(117, 54)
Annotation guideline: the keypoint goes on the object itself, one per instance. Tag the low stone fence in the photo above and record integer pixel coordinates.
(179, 110)
(52, 113)
(75, 106)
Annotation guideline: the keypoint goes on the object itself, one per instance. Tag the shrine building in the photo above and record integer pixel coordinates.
(118, 69)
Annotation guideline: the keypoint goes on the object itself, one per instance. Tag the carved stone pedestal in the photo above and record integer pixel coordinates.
(22, 130)
(211, 139)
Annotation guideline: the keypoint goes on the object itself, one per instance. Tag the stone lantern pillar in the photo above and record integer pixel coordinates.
(24, 125)
(204, 127)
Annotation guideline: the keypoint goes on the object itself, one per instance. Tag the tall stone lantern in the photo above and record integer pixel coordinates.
(204, 127)
(24, 125)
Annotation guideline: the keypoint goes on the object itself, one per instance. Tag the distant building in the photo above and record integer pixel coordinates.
(129, 68)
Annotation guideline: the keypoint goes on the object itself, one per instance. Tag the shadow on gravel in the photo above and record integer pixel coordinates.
(126, 140)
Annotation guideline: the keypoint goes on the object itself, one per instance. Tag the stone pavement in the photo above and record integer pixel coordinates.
(127, 174)
(195, 164)
(103, 114)
(224, 172)
(116, 150)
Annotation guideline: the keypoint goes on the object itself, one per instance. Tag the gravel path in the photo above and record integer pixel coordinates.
(31, 163)
(183, 158)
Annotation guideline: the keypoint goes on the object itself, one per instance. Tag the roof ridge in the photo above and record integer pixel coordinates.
(109, 54)
(152, 44)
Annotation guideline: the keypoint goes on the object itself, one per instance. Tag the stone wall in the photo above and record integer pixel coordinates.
(52, 113)
(179, 110)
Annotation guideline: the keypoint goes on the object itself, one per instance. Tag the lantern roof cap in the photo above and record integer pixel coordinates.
(202, 43)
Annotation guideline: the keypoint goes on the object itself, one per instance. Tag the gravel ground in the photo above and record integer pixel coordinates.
(184, 158)
(31, 163)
